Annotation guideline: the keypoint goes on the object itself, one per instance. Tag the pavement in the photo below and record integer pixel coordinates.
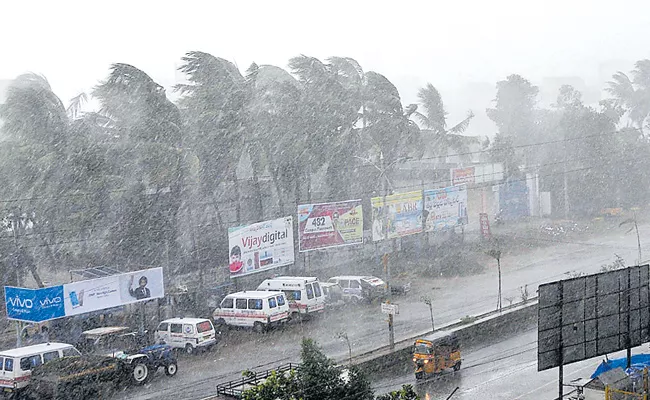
(366, 328)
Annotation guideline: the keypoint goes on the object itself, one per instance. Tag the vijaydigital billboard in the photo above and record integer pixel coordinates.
(38, 305)
(261, 246)
(592, 315)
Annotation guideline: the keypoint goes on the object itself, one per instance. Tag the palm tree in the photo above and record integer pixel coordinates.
(442, 139)
(145, 154)
(633, 94)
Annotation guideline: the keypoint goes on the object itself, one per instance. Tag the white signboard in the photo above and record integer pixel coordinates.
(388, 308)
(113, 291)
(261, 246)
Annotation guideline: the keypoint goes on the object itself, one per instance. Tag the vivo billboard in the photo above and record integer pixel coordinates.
(44, 304)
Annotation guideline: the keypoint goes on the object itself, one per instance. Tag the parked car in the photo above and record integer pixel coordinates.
(304, 294)
(188, 334)
(16, 364)
(358, 288)
(256, 309)
(333, 294)
(121, 343)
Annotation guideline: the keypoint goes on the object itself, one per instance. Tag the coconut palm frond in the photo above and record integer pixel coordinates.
(431, 101)
(462, 125)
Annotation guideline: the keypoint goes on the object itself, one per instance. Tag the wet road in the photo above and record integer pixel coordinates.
(366, 327)
(506, 370)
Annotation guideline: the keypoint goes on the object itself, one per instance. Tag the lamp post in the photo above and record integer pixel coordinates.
(427, 301)
(496, 254)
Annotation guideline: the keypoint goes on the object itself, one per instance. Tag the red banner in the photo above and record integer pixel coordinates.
(485, 225)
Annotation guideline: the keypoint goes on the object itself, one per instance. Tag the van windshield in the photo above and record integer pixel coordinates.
(203, 326)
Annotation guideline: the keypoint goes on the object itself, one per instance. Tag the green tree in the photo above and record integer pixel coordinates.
(514, 116)
(439, 138)
(406, 393)
(633, 95)
(146, 164)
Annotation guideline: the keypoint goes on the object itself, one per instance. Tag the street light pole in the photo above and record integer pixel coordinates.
(427, 301)
(496, 254)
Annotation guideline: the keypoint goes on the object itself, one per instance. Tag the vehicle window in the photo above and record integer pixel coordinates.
(240, 304)
(280, 300)
(272, 303)
(163, 327)
(27, 363)
(254, 304)
(317, 289)
(2, 362)
(310, 291)
(188, 329)
(332, 280)
(9, 364)
(354, 285)
(71, 352)
(49, 356)
(227, 302)
(204, 326)
(176, 328)
(344, 284)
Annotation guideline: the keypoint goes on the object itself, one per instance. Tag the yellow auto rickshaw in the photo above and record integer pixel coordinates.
(434, 356)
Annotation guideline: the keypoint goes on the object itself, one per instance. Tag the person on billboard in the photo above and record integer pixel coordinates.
(236, 263)
(142, 291)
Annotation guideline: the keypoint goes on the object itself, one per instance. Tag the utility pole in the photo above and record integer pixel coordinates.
(391, 332)
(14, 231)
(384, 191)
(496, 254)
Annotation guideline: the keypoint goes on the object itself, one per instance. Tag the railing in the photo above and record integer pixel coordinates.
(236, 388)
(617, 394)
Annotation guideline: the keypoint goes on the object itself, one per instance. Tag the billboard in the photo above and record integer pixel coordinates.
(330, 225)
(261, 246)
(34, 305)
(513, 200)
(38, 305)
(445, 208)
(592, 315)
(113, 291)
(462, 176)
(400, 216)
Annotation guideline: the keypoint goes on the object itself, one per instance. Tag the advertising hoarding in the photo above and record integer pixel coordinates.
(330, 225)
(113, 291)
(261, 246)
(462, 176)
(34, 305)
(38, 305)
(592, 315)
(445, 208)
(400, 216)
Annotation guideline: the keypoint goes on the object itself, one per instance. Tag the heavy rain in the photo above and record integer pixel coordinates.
(343, 200)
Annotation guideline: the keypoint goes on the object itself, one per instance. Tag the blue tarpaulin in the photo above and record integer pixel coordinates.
(639, 361)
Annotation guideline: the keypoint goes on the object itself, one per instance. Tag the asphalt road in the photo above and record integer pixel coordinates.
(503, 370)
(366, 327)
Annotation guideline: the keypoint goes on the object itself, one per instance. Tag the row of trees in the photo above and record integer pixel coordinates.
(146, 181)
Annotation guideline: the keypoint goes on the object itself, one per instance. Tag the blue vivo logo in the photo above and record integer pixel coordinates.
(34, 305)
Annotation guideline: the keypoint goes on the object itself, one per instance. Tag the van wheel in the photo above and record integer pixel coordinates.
(171, 369)
(140, 373)
(189, 349)
(258, 327)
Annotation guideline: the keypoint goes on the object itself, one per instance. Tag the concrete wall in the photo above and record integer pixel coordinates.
(485, 329)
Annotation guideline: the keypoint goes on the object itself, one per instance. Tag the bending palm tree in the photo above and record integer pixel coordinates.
(435, 123)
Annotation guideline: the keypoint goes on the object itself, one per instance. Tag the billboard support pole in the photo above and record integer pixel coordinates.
(561, 351)
(628, 342)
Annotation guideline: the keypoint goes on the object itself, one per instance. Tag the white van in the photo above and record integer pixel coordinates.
(256, 309)
(304, 294)
(16, 364)
(187, 333)
(358, 288)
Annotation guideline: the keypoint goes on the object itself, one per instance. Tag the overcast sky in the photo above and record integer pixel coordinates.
(447, 43)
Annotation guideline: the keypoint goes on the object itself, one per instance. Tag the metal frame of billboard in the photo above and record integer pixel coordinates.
(592, 315)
